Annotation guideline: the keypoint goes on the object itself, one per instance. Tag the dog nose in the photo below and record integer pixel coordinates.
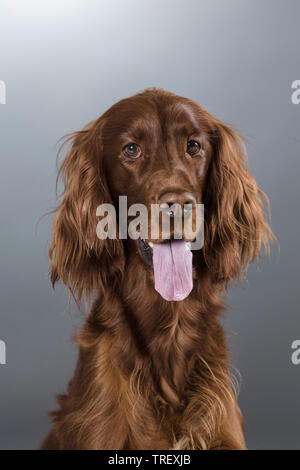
(166, 200)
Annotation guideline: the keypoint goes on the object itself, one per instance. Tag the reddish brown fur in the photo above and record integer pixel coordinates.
(152, 374)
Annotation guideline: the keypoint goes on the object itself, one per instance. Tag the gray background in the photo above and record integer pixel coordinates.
(64, 68)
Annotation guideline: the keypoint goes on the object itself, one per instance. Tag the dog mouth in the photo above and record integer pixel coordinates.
(172, 265)
(146, 249)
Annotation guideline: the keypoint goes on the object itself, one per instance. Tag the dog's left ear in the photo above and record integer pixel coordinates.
(78, 257)
(235, 216)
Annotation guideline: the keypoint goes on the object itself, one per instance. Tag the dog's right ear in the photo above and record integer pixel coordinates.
(78, 257)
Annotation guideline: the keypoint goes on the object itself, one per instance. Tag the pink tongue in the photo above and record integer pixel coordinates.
(172, 263)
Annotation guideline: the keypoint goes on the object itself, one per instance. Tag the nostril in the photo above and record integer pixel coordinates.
(190, 202)
(166, 200)
(190, 199)
(167, 208)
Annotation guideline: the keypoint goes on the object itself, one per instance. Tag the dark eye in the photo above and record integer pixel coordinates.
(132, 151)
(193, 148)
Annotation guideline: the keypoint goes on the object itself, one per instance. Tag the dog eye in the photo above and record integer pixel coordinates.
(132, 151)
(193, 148)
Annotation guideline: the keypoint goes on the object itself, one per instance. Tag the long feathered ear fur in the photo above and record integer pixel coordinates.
(235, 217)
(78, 258)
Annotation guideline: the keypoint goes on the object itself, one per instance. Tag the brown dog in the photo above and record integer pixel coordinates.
(153, 373)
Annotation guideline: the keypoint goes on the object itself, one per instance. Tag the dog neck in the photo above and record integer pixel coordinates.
(169, 336)
(151, 339)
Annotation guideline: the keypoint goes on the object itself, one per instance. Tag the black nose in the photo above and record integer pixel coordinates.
(166, 200)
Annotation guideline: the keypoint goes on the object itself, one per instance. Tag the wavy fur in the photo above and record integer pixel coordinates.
(152, 374)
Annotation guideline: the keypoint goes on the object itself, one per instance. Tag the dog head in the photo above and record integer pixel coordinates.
(157, 148)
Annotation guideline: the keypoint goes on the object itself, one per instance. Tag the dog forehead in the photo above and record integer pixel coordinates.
(131, 117)
(180, 119)
(151, 119)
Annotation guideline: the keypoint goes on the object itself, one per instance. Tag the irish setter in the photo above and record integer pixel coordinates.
(153, 371)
